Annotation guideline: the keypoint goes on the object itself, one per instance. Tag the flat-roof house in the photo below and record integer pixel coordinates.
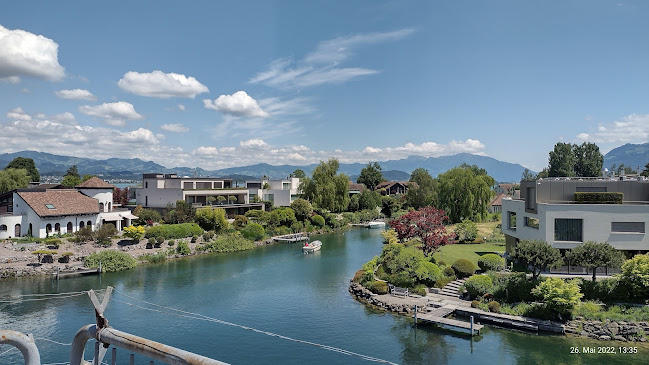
(552, 210)
(280, 192)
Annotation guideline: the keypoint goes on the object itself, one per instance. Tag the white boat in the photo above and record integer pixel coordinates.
(376, 225)
(312, 247)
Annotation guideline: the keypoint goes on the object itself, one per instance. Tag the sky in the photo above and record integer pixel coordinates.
(218, 84)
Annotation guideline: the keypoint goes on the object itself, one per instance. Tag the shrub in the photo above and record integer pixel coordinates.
(635, 274)
(253, 231)
(475, 304)
(607, 290)
(491, 261)
(559, 296)
(494, 307)
(211, 219)
(448, 271)
(599, 198)
(466, 231)
(111, 260)
(85, 234)
(318, 221)
(65, 257)
(240, 221)
(441, 282)
(229, 243)
(258, 216)
(478, 285)
(463, 268)
(54, 242)
(41, 254)
(358, 276)
(171, 242)
(134, 232)
(389, 236)
(105, 233)
(419, 289)
(194, 238)
(427, 273)
(516, 288)
(378, 287)
(154, 258)
(297, 227)
(441, 263)
(183, 248)
(174, 231)
(206, 236)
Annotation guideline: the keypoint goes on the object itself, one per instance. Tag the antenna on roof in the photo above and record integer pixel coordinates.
(195, 173)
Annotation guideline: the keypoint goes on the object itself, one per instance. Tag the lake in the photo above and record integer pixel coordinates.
(276, 289)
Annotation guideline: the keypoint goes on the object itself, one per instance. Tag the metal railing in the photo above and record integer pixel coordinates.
(24, 343)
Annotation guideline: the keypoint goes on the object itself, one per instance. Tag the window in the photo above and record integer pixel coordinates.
(48, 228)
(627, 227)
(532, 222)
(591, 189)
(146, 184)
(3, 227)
(49, 206)
(57, 227)
(286, 186)
(101, 207)
(530, 198)
(568, 230)
(512, 220)
(188, 185)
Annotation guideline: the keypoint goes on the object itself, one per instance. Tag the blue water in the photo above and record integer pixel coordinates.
(277, 289)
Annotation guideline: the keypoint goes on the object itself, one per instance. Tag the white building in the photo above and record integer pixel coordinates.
(44, 211)
(280, 192)
(547, 211)
(160, 190)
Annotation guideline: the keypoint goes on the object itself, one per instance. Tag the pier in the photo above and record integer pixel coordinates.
(294, 237)
(438, 316)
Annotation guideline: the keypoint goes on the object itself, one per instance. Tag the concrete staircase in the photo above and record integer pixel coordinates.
(451, 289)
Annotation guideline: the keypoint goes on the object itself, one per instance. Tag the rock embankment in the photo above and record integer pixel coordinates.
(385, 302)
(609, 330)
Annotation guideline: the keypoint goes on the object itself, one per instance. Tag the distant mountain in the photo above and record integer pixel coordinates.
(633, 155)
(50, 164)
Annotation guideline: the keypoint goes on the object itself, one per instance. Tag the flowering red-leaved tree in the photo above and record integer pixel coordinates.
(427, 224)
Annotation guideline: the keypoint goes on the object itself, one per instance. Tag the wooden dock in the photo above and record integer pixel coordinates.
(438, 316)
(70, 274)
(295, 237)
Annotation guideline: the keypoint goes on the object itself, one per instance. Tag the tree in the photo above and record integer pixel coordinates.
(465, 193)
(588, 160)
(211, 219)
(645, 172)
(558, 295)
(302, 209)
(120, 196)
(527, 175)
(592, 255)
(300, 174)
(87, 177)
(136, 233)
(635, 273)
(70, 181)
(326, 189)
(425, 224)
(369, 199)
(146, 216)
(561, 161)
(282, 216)
(466, 231)
(104, 234)
(11, 179)
(389, 205)
(424, 190)
(537, 255)
(371, 175)
(28, 165)
(73, 171)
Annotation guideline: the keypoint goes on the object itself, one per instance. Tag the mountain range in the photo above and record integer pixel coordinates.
(633, 155)
(116, 168)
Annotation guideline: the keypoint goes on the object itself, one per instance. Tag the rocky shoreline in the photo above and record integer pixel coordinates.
(364, 295)
(609, 330)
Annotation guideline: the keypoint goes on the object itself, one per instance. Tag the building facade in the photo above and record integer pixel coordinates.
(547, 210)
(279, 192)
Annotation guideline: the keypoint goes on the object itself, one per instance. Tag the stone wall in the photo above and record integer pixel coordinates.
(609, 330)
(366, 296)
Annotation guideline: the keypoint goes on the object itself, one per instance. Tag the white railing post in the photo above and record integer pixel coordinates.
(24, 343)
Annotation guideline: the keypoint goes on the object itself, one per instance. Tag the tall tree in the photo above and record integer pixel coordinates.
(645, 172)
(73, 171)
(588, 160)
(299, 173)
(592, 255)
(538, 255)
(371, 175)
(11, 179)
(463, 194)
(424, 193)
(425, 224)
(326, 189)
(527, 175)
(27, 164)
(561, 161)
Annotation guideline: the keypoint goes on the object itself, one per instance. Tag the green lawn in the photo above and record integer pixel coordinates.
(471, 252)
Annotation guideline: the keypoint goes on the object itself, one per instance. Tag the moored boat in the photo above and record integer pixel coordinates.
(376, 225)
(311, 247)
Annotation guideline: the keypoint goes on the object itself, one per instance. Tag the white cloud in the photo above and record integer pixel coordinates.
(26, 54)
(161, 85)
(18, 114)
(114, 114)
(322, 66)
(633, 128)
(75, 94)
(253, 143)
(175, 128)
(11, 79)
(238, 104)
(181, 107)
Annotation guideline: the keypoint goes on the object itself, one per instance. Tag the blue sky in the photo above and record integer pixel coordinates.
(221, 84)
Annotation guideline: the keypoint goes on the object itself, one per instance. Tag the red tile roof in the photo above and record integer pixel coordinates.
(65, 202)
(95, 183)
(498, 200)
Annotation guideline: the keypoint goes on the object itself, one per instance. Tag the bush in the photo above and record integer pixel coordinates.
(206, 236)
(494, 307)
(558, 295)
(599, 198)
(229, 243)
(134, 232)
(54, 242)
(318, 221)
(389, 236)
(85, 234)
(65, 257)
(111, 260)
(516, 288)
(358, 276)
(475, 304)
(105, 233)
(171, 242)
(378, 287)
(297, 227)
(466, 231)
(427, 273)
(463, 268)
(211, 219)
(154, 258)
(478, 285)
(491, 261)
(240, 221)
(419, 289)
(448, 271)
(183, 248)
(253, 231)
(174, 231)
(635, 274)
(441, 263)
(607, 290)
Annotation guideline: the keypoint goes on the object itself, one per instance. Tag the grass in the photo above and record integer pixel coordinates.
(472, 252)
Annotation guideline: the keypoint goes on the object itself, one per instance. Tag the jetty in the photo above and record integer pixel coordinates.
(74, 273)
(294, 237)
(438, 315)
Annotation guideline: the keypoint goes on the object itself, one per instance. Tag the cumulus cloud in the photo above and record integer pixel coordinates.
(181, 107)
(238, 104)
(322, 66)
(253, 143)
(115, 114)
(18, 114)
(633, 128)
(75, 94)
(158, 84)
(26, 54)
(175, 128)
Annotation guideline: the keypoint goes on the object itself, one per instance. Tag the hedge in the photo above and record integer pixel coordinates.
(599, 198)
(478, 285)
(463, 268)
(171, 231)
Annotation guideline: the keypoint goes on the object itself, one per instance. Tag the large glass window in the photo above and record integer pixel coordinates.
(568, 230)
(627, 227)
(512, 220)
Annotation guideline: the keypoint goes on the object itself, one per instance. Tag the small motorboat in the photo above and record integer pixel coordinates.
(311, 247)
(376, 225)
